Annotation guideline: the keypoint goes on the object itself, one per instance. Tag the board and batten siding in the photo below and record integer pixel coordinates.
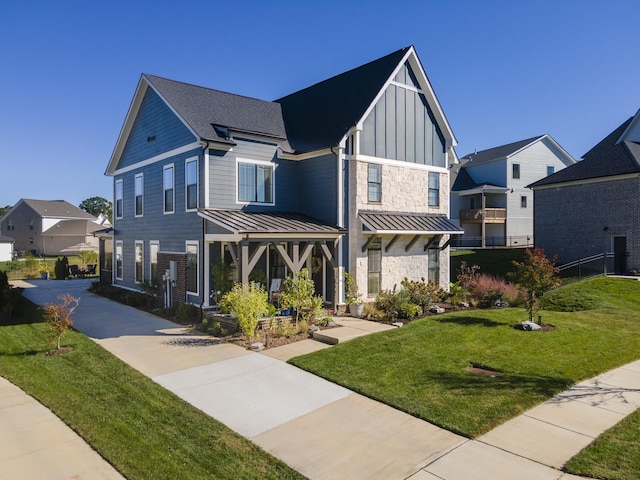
(156, 130)
(402, 127)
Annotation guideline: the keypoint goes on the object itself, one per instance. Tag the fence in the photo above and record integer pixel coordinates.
(593, 266)
(513, 241)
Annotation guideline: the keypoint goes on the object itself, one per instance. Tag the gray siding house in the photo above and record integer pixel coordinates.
(593, 207)
(349, 174)
(490, 199)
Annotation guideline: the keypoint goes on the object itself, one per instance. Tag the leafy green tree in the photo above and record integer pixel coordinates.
(87, 257)
(96, 206)
(299, 293)
(534, 276)
(248, 301)
(5, 209)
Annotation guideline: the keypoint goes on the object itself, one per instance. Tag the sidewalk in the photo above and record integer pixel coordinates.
(326, 431)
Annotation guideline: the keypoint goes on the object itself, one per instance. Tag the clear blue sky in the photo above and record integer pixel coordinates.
(502, 70)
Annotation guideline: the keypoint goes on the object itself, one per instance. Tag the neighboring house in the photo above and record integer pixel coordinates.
(349, 174)
(51, 227)
(490, 199)
(6, 248)
(593, 206)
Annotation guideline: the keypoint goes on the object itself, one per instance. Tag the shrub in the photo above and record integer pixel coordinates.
(186, 313)
(487, 289)
(370, 312)
(248, 301)
(9, 296)
(422, 294)
(467, 274)
(396, 305)
(222, 277)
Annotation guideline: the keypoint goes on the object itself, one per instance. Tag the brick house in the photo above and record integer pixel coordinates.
(593, 207)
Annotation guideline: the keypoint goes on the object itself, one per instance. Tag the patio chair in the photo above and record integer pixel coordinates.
(75, 271)
(91, 269)
(274, 291)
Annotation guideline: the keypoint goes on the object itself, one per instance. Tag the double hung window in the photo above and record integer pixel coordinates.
(192, 268)
(374, 183)
(139, 186)
(255, 182)
(191, 184)
(139, 261)
(168, 189)
(434, 189)
(119, 197)
(374, 267)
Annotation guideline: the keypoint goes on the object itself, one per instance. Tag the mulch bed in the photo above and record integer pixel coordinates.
(58, 351)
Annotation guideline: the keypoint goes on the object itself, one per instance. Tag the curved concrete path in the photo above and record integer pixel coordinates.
(326, 431)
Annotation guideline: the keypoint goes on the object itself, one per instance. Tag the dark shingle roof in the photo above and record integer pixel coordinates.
(463, 181)
(606, 159)
(5, 239)
(240, 221)
(499, 152)
(201, 107)
(409, 223)
(57, 209)
(319, 116)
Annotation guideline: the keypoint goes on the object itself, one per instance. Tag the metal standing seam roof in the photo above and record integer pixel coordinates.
(240, 221)
(408, 223)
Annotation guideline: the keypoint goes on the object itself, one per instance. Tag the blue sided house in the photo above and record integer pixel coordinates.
(350, 174)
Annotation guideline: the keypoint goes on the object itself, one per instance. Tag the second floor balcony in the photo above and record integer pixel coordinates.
(491, 215)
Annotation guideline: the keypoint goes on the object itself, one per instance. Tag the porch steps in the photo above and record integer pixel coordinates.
(349, 328)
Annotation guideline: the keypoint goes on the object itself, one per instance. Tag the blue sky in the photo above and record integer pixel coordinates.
(502, 70)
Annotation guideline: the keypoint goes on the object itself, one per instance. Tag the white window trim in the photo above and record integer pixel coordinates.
(186, 249)
(135, 194)
(273, 181)
(119, 243)
(135, 261)
(151, 244)
(186, 185)
(173, 181)
(119, 182)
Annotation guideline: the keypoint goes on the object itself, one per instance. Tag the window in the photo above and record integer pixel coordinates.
(374, 183)
(255, 183)
(119, 199)
(10, 225)
(523, 201)
(516, 170)
(374, 262)
(167, 182)
(192, 268)
(191, 184)
(31, 225)
(119, 260)
(434, 189)
(550, 169)
(154, 248)
(138, 184)
(139, 261)
(434, 265)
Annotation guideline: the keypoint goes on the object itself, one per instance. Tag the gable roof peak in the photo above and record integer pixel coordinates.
(501, 151)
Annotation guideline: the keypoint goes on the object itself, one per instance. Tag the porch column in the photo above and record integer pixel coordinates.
(483, 233)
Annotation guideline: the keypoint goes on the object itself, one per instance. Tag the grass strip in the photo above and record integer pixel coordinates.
(143, 430)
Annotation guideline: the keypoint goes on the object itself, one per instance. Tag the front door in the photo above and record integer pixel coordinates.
(619, 255)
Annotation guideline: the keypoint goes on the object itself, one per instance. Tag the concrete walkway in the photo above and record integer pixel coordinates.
(326, 431)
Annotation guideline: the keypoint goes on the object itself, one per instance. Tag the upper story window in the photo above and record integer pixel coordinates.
(119, 199)
(434, 189)
(31, 225)
(138, 187)
(191, 183)
(374, 183)
(550, 169)
(168, 189)
(10, 225)
(255, 182)
(516, 170)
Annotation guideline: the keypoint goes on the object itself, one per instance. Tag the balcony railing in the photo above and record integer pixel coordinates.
(491, 215)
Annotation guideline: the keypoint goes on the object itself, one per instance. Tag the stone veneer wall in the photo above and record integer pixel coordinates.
(570, 220)
(404, 189)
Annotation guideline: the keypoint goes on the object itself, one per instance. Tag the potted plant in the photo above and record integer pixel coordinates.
(352, 295)
(43, 269)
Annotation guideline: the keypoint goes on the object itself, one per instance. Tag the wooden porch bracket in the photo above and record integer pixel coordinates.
(412, 242)
(391, 242)
(432, 240)
(371, 239)
(327, 254)
(249, 261)
(446, 244)
(296, 263)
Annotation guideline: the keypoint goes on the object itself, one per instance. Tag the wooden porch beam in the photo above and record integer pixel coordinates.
(391, 242)
(432, 240)
(412, 242)
(285, 256)
(368, 242)
(327, 254)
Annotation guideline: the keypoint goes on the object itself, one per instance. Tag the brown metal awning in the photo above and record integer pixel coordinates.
(407, 224)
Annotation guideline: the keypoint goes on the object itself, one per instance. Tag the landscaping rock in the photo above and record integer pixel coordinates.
(530, 326)
(464, 304)
(257, 347)
(436, 309)
(397, 324)
(501, 303)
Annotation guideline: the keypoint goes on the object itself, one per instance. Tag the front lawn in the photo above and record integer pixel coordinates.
(143, 430)
(421, 368)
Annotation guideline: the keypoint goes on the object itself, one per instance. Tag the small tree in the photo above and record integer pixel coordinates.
(534, 276)
(87, 257)
(352, 293)
(59, 317)
(298, 292)
(248, 301)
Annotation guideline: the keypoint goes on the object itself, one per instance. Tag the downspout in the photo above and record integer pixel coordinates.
(205, 269)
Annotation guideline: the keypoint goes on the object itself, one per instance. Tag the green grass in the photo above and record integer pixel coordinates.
(496, 262)
(143, 430)
(421, 367)
(613, 455)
